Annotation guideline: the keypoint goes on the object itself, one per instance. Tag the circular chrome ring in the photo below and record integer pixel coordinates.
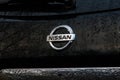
(69, 29)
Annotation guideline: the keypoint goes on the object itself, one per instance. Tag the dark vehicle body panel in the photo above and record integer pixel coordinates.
(97, 33)
(23, 33)
(24, 27)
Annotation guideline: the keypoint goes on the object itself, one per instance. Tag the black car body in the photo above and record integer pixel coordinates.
(23, 32)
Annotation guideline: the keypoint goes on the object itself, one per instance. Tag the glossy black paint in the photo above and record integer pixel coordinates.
(80, 7)
(23, 32)
(96, 33)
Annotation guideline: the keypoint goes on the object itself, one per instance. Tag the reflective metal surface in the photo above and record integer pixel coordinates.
(61, 74)
(61, 37)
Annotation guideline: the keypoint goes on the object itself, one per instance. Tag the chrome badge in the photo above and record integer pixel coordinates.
(61, 37)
